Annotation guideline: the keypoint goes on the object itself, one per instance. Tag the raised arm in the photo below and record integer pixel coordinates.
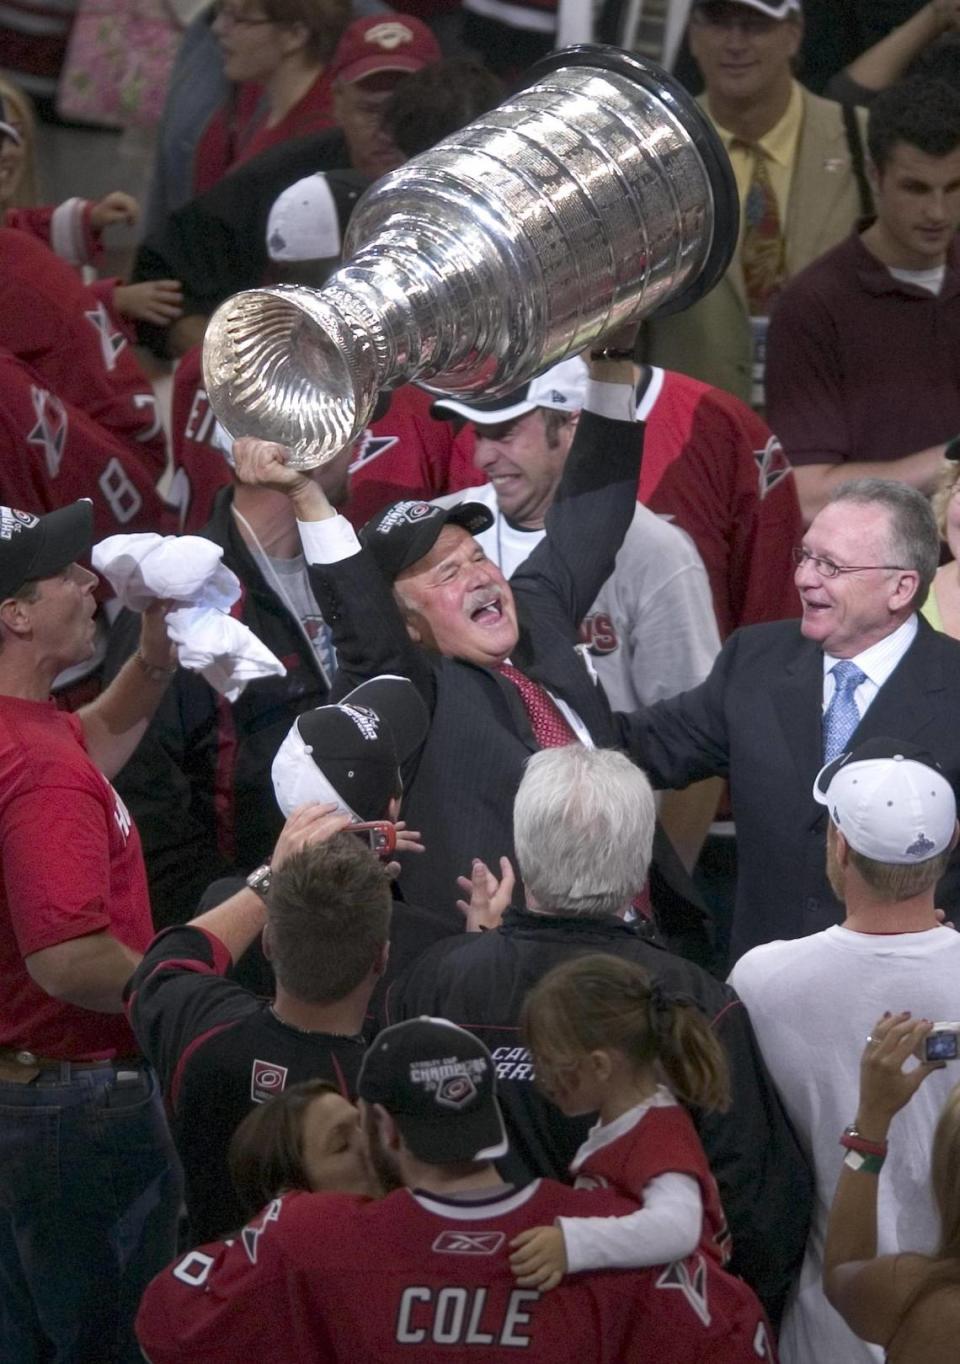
(595, 501)
(354, 598)
(862, 1286)
(117, 720)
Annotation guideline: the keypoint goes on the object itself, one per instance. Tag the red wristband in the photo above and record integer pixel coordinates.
(854, 1142)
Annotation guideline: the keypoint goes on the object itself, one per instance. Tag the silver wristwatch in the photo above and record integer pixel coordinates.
(260, 879)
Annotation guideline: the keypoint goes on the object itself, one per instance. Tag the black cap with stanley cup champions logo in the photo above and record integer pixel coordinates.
(352, 753)
(34, 547)
(405, 531)
(437, 1082)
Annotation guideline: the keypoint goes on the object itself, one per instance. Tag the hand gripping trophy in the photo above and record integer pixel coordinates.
(598, 194)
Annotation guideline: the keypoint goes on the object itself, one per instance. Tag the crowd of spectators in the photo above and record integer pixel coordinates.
(444, 894)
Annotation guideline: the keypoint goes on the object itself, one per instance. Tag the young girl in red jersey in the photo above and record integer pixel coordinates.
(605, 1038)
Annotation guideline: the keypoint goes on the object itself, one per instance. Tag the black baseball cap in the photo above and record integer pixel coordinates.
(39, 546)
(438, 1083)
(405, 531)
(352, 753)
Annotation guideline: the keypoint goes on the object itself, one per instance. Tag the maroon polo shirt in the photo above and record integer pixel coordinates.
(861, 366)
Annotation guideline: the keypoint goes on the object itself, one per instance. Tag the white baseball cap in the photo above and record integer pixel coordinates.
(775, 9)
(890, 801)
(308, 219)
(562, 388)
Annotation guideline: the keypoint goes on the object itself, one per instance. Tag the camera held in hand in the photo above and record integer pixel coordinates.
(941, 1043)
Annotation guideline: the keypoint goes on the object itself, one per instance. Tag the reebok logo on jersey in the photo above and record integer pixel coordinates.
(50, 432)
(468, 1242)
(266, 1079)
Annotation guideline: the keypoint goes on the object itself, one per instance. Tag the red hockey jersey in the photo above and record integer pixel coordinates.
(55, 454)
(403, 454)
(661, 1141)
(66, 334)
(327, 1278)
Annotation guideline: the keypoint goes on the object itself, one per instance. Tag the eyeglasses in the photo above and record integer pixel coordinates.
(234, 18)
(828, 569)
(733, 16)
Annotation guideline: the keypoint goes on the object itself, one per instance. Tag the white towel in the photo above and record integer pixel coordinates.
(189, 570)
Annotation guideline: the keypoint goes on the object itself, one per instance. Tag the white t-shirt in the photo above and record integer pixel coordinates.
(812, 1003)
(931, 280)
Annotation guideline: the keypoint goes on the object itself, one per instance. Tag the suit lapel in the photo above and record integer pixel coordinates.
(820, 177)
(797, 701)
(902, 707)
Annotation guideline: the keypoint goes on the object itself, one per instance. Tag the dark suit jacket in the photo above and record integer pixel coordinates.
(460, 788)
(757, 719)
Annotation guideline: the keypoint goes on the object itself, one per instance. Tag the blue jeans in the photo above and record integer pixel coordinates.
(90, 1188)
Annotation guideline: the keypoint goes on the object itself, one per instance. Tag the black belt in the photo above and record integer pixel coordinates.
(25, 1067)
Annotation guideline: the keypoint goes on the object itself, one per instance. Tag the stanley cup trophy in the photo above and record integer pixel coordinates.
(598, 194)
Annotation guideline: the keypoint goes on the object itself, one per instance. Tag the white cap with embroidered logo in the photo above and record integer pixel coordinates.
(890, 801)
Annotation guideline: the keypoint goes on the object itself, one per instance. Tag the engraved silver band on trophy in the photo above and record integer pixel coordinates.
(599, 193)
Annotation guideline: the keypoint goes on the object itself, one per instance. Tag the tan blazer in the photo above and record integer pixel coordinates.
(712, 340)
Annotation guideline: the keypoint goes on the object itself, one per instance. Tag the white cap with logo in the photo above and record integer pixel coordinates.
(890, 801)
(563, 388)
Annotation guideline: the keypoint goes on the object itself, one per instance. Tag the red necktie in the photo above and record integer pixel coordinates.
(550, 728)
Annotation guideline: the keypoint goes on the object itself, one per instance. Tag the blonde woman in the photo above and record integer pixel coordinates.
(942, 607)
(72, 229)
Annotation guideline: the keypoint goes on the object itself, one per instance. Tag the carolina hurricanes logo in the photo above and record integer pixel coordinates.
(50, 432)
(111, 342)
(250, 1236)
(12, 521)
(773, 465)
(267, 1079)
(388, 35)
(689, 1277)
(370, 447)
(456, 1091)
